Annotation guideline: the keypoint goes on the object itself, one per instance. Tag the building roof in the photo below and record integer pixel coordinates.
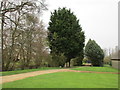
(116, 56)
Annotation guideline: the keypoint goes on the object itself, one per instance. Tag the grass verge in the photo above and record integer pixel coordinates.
(97, 69)
(67, 80)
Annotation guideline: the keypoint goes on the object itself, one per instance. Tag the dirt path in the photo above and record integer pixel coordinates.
(15, 77)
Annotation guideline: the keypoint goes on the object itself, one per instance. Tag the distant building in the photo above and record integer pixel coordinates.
(116, 60)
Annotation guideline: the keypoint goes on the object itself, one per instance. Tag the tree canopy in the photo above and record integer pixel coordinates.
(65, 34)
(94, 52)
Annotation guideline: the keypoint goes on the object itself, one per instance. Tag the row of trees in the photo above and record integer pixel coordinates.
(23, 34)
(24, 43)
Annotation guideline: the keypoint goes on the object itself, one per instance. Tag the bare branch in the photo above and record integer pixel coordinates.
(17, 7)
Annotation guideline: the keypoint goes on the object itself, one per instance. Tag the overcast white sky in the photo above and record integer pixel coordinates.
(98, 18)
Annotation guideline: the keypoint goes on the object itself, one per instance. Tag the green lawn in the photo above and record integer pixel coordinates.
(97, 69)
(25, 71)
(67, 80)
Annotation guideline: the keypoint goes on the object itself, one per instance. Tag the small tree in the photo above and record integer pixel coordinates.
(94, 52)
(65, 34)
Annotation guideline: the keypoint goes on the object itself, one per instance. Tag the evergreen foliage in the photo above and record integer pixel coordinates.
(94, 52)
(65, 34)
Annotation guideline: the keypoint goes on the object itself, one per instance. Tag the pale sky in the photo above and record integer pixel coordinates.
(98, 18)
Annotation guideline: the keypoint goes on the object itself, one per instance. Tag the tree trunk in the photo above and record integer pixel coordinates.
(66, 64)
(2, 24)
(69, 63)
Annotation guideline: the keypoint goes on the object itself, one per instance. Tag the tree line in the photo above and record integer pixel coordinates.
(25, 41)
(23, 34)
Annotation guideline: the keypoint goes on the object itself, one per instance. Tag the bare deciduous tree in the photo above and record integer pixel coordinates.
(19, 23)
